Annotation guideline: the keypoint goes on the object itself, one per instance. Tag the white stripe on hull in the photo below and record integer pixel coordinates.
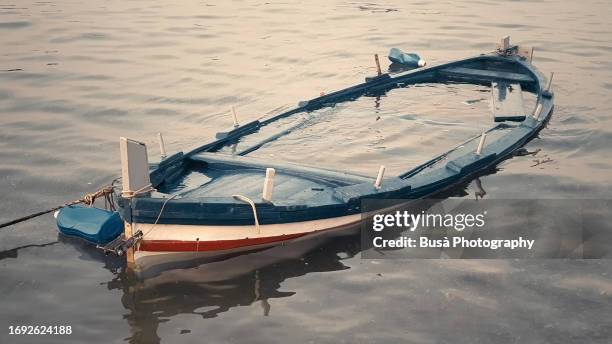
(309, 229)
(326, 228)
(215, 233)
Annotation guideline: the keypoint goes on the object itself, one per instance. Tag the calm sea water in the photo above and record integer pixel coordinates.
(74, 76)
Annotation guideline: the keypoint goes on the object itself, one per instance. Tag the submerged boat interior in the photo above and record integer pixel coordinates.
(203, 181)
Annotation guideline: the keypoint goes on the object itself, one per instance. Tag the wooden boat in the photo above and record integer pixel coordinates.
(206, 203)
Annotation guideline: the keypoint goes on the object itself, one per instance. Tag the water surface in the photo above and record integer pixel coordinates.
(74, 76)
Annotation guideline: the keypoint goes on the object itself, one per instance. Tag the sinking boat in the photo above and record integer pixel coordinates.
(206, 203)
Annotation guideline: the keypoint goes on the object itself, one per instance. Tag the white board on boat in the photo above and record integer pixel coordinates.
(507, 101)
(134, 165)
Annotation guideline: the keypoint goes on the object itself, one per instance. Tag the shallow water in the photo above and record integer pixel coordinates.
(75, 76)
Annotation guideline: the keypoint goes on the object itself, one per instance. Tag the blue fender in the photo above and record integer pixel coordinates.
(94, 225)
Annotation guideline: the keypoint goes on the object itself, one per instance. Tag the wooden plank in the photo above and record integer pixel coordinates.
(129, 255)
(484, 74)
(507, 102)
(134, 165)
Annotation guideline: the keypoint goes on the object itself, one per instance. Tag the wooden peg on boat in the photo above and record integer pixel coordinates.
(531, 55)
(377, 65)
(481, 143)
(379, 178)
(162, 147)
(268, 185)
(525, 52)
(234, 117)
(504, 44)
(552, 74)
(538, 111)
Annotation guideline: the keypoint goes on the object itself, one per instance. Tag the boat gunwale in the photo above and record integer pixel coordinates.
(146, 209)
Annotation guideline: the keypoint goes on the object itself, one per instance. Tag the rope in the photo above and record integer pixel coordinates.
(142, 190)
(250, 202)
(88, 199)
(159, 215)
(238, 197)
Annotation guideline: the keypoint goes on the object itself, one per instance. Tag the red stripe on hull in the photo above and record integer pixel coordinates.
(203, 246)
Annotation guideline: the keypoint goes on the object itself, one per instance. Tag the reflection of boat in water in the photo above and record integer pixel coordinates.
(213, 288)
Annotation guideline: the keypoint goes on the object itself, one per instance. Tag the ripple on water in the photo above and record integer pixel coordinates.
(14, 25)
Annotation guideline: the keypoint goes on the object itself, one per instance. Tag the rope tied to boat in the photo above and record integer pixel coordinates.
(142, 190)
(89, 200)
(106, 192)
(120, 245)
(161, 210)
(252, 204)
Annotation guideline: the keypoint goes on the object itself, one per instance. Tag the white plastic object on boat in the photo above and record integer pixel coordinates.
(268, 186)
(134, 166)
(481, 143)
(507, 101)
(162, 147)
(406, 59)
(379, 178)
